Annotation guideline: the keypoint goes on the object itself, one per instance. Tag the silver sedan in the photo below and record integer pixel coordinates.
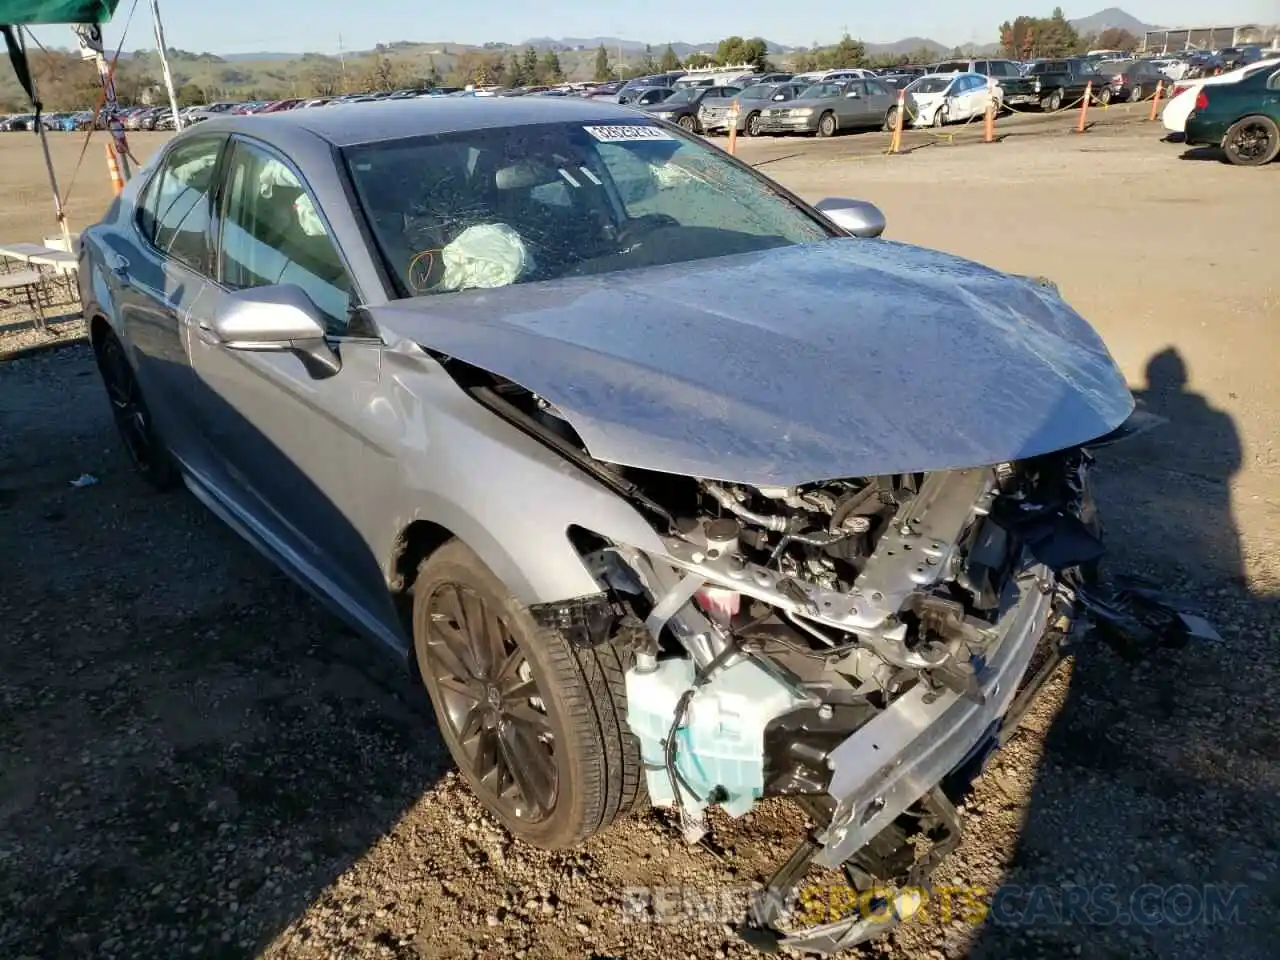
(482, 376)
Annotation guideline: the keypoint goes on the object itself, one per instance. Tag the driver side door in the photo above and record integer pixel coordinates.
(294, 443)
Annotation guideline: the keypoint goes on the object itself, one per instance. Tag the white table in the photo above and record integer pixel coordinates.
(63, 265)
(31, 282)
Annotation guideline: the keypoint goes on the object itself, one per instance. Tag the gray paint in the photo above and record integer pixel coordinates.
(872, 357)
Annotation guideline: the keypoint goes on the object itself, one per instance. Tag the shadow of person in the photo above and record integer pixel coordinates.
(1127, 785)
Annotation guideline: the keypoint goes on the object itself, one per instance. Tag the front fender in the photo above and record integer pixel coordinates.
(510, 498)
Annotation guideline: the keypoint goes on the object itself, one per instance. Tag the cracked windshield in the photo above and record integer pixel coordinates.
(491, 208)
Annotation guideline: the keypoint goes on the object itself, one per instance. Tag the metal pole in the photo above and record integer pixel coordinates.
(164, 64)
(58, 212)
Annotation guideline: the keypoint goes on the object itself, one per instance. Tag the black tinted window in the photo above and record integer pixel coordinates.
(272, 233)
(178, 200)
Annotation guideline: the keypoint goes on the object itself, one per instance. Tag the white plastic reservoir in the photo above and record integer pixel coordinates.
(721, 742)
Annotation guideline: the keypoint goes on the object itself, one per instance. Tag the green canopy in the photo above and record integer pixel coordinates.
(28, 12)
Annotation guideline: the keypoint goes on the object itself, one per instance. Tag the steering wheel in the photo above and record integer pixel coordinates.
(635, 230)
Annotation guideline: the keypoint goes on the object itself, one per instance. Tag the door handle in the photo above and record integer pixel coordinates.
(120, 267)
(206, 334)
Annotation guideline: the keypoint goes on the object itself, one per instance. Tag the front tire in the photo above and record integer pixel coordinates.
(1053, 103)
(1105, 96)
(891, 120)
(133, 417)
(537, 727)
(941, 116)
(1252, 142)
(752, 126)
(827, 125)
(688, 124)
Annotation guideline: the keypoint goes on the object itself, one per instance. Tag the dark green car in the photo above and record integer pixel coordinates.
(1243, 117)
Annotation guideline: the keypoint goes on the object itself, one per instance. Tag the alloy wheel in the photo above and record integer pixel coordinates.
(490, 699)
(127, 406)
(1250, 143)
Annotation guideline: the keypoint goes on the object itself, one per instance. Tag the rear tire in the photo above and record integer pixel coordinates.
(132, 416)
(1252, 141)
(1136, 94)
(507, 689)
(827, 125)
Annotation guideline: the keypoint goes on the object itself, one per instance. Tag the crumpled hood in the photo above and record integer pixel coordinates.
(840, 358)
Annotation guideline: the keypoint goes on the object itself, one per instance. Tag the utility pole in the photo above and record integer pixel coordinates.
(342, 59)
(164, 64)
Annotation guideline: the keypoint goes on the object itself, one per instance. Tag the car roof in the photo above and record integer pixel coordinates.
(348, 124)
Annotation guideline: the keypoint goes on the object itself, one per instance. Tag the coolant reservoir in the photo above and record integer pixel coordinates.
(721, 743)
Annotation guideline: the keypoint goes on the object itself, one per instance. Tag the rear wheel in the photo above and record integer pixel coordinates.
(827, 125)
(132, 416)
(1252, 142)
(1136, 93)
(537, 727)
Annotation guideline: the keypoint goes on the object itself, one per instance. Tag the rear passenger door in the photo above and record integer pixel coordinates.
(879, 100)
(161, 280)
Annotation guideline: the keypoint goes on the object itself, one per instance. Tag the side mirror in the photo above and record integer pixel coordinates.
(857, 217)
(274, 318)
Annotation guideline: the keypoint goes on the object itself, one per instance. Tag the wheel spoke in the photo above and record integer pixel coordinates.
(450, 649)
(516, 689)
(494, 642)
(472, 724)
(529, 765)
(486, 765)
(526, 715)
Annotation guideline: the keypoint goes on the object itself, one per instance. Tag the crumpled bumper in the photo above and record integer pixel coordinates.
(901, 754)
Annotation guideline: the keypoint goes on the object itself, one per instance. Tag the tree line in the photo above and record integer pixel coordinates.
(1027, 37)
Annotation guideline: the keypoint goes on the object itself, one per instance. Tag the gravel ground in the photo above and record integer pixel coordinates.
(197, 760)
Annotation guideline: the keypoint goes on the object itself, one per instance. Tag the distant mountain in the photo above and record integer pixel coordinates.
(613, 44)
(909, 45)
(233, 57)
(1109, 19)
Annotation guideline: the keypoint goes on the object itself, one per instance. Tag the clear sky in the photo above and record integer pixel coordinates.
(292, 26)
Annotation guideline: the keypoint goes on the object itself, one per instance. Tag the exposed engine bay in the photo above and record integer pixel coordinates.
(853, 642)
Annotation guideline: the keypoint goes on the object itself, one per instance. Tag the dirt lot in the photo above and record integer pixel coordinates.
(197, 760)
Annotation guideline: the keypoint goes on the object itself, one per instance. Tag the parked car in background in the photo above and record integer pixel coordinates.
(1060, 82)
(1015, 89)
(941, 98)
(627, 92)
(1128, 80)
(1236, 57)
(649, 96)
(19, 122)
(1243, 118)
(1183, 98)
(831, 106)
(277, 105)
(681, 106)
(756, 98)
(222, 108)
(715, 108)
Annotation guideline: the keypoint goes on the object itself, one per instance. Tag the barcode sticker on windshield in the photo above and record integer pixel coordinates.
(614, 134)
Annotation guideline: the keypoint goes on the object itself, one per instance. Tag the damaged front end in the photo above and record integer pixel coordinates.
(859, 644)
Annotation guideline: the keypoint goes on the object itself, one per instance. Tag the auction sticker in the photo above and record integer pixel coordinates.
(618, 133)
